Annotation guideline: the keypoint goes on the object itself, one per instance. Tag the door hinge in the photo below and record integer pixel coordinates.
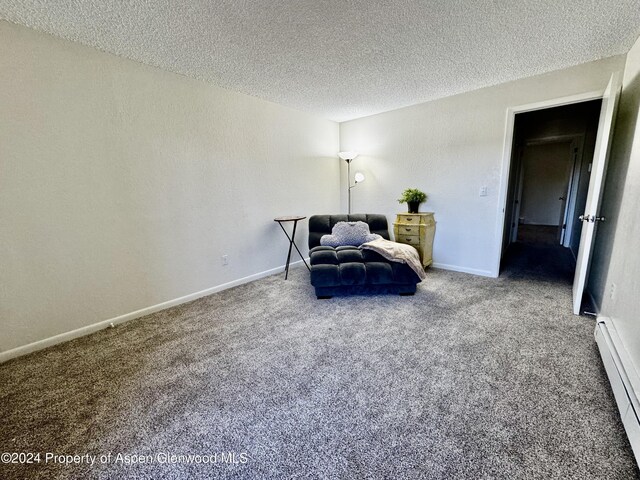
(591, 218)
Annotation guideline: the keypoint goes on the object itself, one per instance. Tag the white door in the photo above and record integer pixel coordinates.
(590, 218)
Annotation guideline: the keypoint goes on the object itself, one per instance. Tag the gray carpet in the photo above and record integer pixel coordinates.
(539, 263)
(537, 234)
(470, 378)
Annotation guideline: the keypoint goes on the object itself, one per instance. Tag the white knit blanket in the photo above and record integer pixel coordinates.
(397, 252)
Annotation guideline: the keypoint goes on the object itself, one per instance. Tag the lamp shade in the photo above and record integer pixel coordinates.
(348, 156)
(359, 177)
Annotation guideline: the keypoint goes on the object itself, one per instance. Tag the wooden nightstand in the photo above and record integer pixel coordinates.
(417, 229)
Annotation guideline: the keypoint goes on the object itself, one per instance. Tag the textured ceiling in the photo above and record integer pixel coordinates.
(343, 59)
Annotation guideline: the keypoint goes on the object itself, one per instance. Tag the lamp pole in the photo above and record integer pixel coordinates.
(349, 183)
(348, 157)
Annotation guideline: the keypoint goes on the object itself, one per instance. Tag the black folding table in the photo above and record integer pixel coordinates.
(292, 243)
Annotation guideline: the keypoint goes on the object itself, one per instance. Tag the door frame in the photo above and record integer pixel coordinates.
(507, 150)
(517, 198)
(572, 194)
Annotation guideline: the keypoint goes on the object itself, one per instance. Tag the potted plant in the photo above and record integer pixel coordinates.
(413, 198)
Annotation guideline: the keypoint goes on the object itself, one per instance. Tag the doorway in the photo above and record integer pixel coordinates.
(552, 153)
(544, 190)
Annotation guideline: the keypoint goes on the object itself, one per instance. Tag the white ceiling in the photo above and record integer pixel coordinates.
(343, 59)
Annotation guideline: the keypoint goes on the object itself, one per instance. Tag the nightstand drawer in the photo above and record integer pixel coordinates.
(407, 230)
(410, 239)
(408, 219)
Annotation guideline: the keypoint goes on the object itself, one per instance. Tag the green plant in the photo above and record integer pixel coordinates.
(412, 195)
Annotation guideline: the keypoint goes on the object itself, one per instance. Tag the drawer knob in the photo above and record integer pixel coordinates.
(407, 229)
(409, 219)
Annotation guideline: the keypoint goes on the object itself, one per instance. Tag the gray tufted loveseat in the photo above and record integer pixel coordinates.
(346, 269)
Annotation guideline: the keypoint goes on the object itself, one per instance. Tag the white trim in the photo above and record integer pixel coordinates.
(82, 331)
(506, 158)
(630, 372)
(516, 206)
(457, 268)
(574, 187)
(623, 378)
(558, 102)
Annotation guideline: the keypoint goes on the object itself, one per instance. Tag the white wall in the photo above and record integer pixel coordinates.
(121, 185)
(617, 249)
(450, 148)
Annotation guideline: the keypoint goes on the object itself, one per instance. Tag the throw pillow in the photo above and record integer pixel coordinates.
(348, 233)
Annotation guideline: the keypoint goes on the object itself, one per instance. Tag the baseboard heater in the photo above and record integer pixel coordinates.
(622, 376)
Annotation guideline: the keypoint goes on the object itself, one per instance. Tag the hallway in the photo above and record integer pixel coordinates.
(538, 262)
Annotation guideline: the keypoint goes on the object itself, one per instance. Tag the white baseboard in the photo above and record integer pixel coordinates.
(624, 379)
(456, 268)
(82, 331)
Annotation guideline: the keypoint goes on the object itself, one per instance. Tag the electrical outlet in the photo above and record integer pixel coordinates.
(225, 260)
(612, 292)
(483, 191)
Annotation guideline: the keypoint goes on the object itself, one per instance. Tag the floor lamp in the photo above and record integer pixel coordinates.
(358, 177)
